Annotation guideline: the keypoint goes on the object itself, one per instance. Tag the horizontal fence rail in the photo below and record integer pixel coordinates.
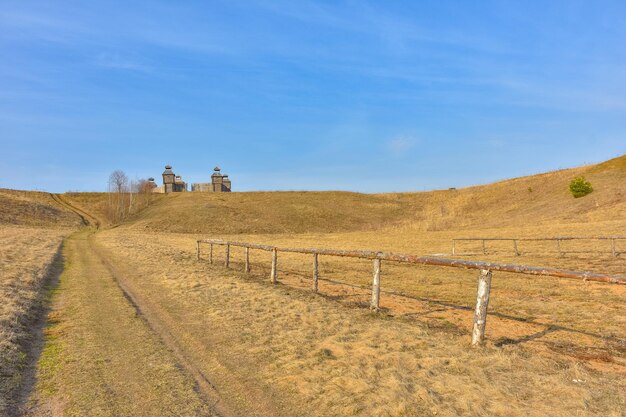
(484, 281)
(557, 239)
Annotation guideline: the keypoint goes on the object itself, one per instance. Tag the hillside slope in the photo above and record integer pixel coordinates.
(532, 200)
(33, 208)
(94, 203)
(525, 201)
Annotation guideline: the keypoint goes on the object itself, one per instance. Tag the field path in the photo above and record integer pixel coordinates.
(101, 358)
(226, 385)
(88, 219)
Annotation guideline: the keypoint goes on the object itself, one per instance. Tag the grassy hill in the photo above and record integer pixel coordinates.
(33, 208)
(532, 200)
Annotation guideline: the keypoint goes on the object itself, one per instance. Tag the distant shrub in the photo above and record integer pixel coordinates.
(530, 189)
(580, 187)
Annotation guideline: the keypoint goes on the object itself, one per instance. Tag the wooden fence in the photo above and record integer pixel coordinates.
(558, 240)
(484, 279)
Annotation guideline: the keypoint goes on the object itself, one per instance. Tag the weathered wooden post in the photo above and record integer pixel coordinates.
(227, 256)
(247, 262)
(375, 304)
(613, 251)
(198, 249)
(274, 272)
(484, 250)
(482, 302)
(453, 246)
(515, 247)
(211, 254)
(316, 272)
(558, 246)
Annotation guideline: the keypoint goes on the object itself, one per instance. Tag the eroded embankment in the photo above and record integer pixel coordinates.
(30, 262)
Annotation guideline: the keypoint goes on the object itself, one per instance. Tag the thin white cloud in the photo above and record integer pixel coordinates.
(115, 61)
(400, 145)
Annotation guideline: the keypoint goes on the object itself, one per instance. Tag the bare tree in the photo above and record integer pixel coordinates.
(118, 182)
(118, 187)
(127, 196)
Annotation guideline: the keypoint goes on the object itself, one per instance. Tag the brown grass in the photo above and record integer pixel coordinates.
(32, 208)
(556, 347)
(319, 355)
(95, 204)
(27, 261)
(501, 205)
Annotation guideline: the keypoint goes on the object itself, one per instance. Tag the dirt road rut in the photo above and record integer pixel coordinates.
(101, 358)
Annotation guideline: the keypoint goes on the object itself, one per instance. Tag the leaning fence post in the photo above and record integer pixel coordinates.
(515, 247)
(198, 249)
(375, 304)
(482, 301)
(316, 273)
(247, 264)
(274, 273)
(613, 251)
(227, 256)
(211, 254)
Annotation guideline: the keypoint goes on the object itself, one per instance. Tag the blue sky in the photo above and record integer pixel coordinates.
(292, 95)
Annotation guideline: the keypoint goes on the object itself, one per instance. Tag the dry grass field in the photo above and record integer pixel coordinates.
(551, 350)
(32, 228)
(504, 204)
(140, 327)
(29, 260)
(93, 203)
(38, 209)
(555, 346)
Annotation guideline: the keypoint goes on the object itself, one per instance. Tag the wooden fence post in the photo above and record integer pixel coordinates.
(247, 262)
(211, 254)
(198, 249)
(375, 304)
(274, 272)
(482, 302)
(558, 246)
(316, 272)
(515, 247)
(227, 256)
(453, 246)
(613, 251)
(484, 250)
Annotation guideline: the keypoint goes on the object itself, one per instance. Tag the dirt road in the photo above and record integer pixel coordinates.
(87, 219)
(101, 358)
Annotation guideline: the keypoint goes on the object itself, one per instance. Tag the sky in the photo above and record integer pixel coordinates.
(308, 95)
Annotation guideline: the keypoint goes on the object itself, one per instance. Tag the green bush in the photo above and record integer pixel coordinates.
(580, 187)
